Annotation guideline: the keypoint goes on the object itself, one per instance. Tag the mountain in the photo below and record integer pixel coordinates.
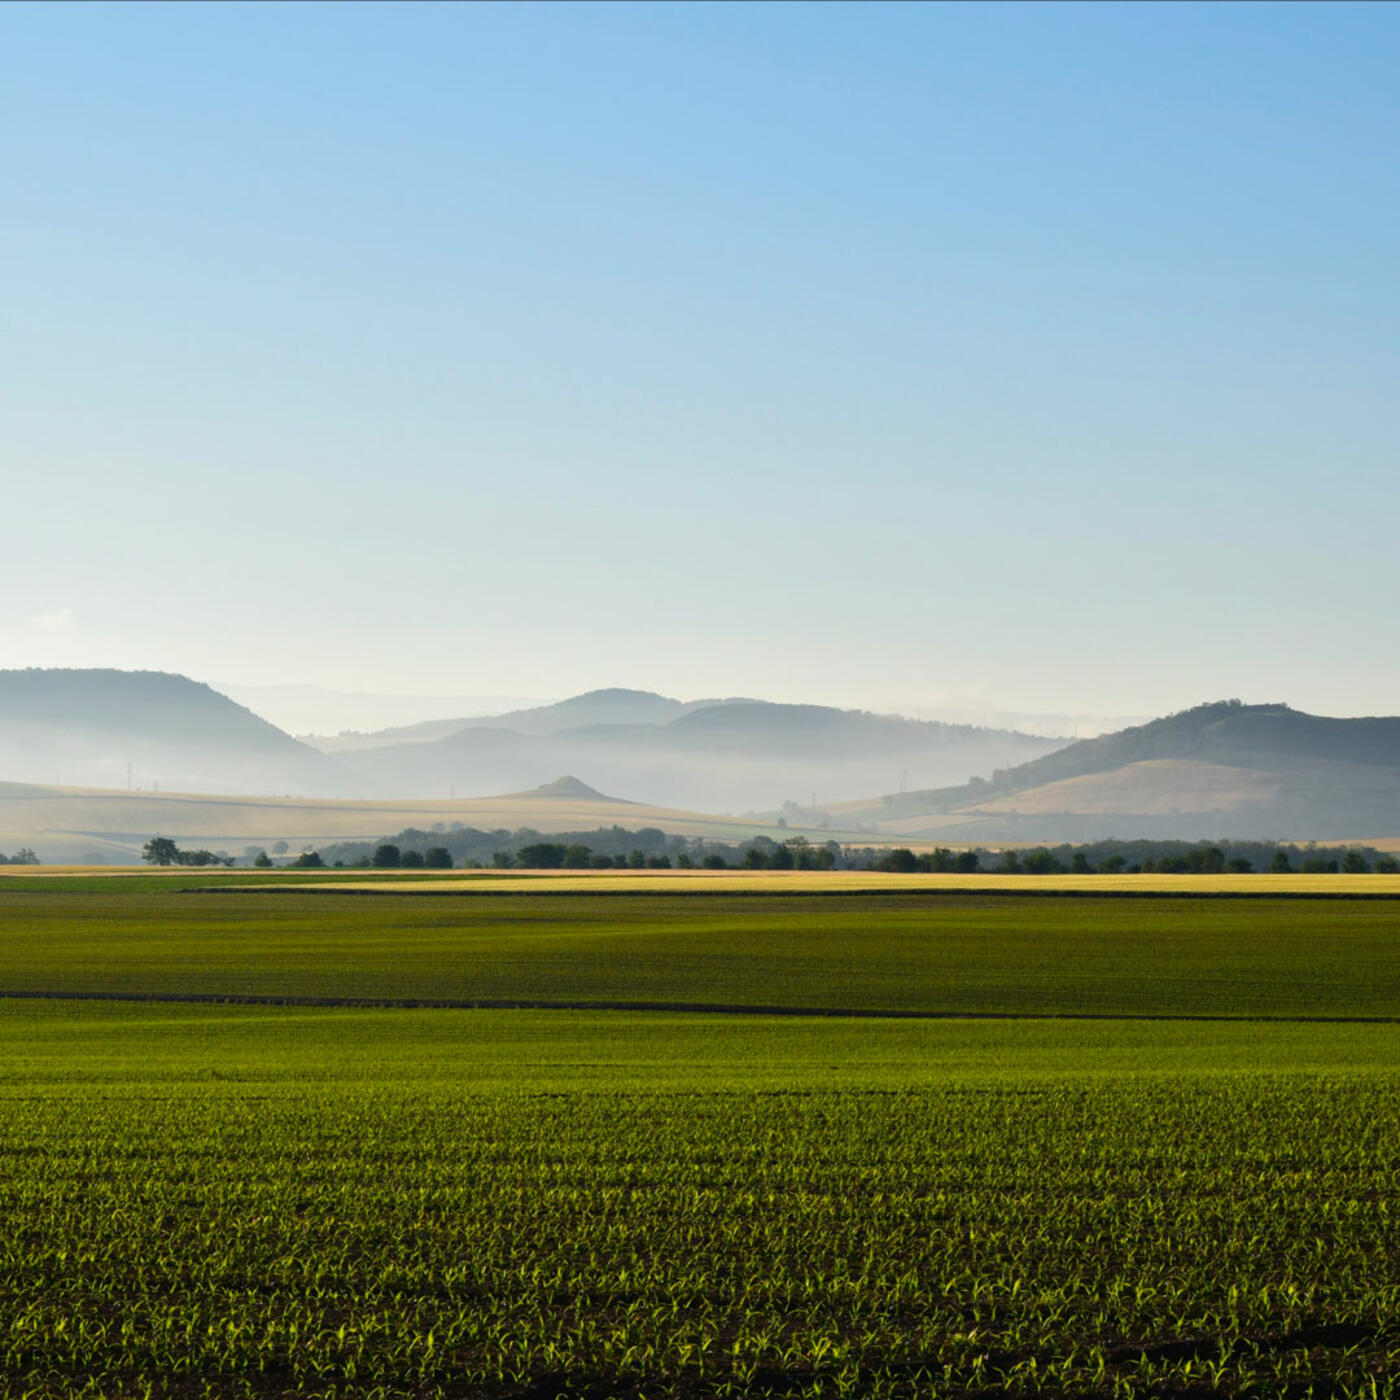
(103, 728)
(591, 708)
(93, 728)
(1224, 769)
(729, 755)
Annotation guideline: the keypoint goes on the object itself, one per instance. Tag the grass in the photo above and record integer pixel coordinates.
(955, 954)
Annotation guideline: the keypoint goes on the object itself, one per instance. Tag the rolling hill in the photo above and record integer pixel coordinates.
(731, 755)
(613, 706)
(114, 729)
(150, 730)
(87, 826)
(1224, 769)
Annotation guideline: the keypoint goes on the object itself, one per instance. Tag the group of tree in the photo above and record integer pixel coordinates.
(939, 861)
(603, 848)
(762, 853)
(1178, 858)
(161, 850)
(23, 856)
(618, 848)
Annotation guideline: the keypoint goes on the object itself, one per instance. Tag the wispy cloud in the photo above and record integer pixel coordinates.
(53, 621)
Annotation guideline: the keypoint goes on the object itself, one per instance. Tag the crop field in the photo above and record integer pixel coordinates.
(952, 954)
(1001, 1199)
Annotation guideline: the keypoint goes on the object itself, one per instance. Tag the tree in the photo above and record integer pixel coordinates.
(900, 861)
(412, 860)
(1112, 865)
(160, 850)
(386, 857)
(1354, 863)
(541, 855)
(1010, 864)
(437, 858)
(1281, 865)
(1041, 862)
(308, 860)
(1204, 860)
(1387, 865)
(262, 860)
(1240, 866)
(713, 862)
(967, 862)
(1079, 864)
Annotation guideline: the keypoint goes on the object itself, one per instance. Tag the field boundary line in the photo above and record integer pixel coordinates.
(675, 1007)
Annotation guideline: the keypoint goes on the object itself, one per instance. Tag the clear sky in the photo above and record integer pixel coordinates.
(870, 355)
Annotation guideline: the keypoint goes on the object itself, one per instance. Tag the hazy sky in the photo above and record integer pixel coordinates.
(868, 355)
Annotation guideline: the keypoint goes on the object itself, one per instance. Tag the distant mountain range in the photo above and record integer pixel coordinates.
(1226, 769)
(83, 728)
(706, 755)
(593, 707)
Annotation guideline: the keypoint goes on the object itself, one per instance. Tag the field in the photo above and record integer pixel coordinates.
(1193, 1191)
(75, 824)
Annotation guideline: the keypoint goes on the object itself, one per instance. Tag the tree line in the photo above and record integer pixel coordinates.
(1177, 858)
(618, 848)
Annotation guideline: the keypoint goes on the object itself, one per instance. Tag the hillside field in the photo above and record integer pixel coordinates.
(1189, 1193)
(74, 825)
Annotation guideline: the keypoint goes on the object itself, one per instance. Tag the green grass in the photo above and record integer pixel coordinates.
(272, 1202)
(945, 954)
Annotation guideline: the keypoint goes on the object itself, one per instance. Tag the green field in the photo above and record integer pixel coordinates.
(251, 1200)
(957, 954)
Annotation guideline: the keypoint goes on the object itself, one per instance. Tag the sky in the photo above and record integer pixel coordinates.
(1036, 357)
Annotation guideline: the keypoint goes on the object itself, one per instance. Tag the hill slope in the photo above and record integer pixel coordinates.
(1222, 768)
(91, 727)
(612, 706)
(90, 826)
(711, 756)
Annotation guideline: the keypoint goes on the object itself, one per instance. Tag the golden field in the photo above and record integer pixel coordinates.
(829, 882)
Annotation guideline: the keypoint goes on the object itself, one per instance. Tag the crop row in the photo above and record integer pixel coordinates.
(1234, 1235)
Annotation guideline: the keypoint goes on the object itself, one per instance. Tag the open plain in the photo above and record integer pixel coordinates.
(774, 1140)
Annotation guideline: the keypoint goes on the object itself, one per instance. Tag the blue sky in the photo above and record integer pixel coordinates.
(872, 355)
